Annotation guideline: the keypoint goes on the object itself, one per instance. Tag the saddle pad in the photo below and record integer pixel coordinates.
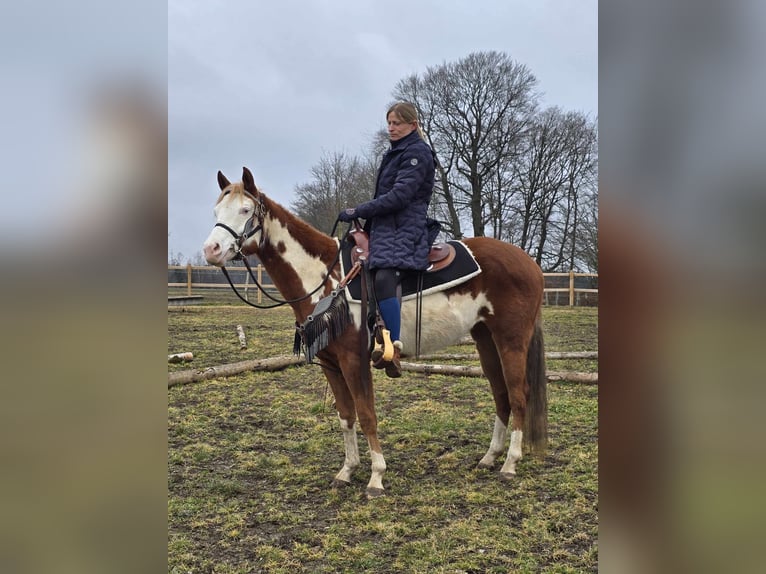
(459, 271)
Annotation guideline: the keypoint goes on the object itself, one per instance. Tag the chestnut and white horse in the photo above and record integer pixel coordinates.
(500, 307)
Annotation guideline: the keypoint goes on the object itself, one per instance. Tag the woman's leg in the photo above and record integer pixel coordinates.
(387, 293)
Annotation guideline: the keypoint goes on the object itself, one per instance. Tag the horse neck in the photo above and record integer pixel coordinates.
(295, 255)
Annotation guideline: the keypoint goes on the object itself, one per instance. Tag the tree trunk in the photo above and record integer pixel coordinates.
(194, 375)
(449, 200)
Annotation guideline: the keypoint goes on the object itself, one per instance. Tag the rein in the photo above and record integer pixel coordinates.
(247, 234)
(277, 302)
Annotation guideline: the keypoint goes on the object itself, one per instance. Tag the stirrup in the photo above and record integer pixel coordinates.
(383, 350)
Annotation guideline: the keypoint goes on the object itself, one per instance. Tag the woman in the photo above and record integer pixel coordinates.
(396, 220)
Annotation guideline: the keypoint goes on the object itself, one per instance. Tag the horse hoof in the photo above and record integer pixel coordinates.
(374, 493)
(337, 483)
(507, 476)
(484, 466)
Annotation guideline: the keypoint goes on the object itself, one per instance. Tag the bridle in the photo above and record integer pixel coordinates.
(251, 228)
(259, 211)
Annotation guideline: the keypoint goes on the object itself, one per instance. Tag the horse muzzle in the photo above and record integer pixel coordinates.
(219, 248)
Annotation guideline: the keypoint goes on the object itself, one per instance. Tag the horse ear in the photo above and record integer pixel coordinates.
(222, 181)
(247, 179)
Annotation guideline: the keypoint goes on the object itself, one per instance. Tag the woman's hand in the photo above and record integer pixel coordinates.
(347, 214)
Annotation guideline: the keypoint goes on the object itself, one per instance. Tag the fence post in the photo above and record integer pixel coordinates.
(188, 279)
(260, 282)
(571, 287)
(247, 286)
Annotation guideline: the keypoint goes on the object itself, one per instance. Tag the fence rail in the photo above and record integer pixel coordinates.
(191, 277)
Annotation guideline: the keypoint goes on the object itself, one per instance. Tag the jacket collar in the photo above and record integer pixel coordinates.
(406, 140)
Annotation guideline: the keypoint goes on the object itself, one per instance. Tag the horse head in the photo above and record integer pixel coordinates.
(239, 214)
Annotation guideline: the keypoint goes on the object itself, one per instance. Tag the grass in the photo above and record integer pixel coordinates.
(251, 458)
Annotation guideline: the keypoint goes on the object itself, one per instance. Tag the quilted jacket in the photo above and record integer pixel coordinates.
(396, 216)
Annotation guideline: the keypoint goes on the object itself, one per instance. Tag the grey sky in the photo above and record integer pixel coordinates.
(274, 85)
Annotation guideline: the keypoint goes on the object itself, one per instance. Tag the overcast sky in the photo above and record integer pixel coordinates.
(274, 85)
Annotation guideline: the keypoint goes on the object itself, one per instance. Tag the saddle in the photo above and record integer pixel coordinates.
(439, 257)
(450, 264)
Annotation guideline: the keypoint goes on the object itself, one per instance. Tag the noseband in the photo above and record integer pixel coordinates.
(251, 228)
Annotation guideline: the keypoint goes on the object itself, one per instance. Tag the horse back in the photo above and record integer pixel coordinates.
(509, 277)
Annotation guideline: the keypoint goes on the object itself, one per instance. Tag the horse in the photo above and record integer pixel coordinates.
(501, 307)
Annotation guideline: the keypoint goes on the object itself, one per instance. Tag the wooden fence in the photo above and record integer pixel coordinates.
(191, 277)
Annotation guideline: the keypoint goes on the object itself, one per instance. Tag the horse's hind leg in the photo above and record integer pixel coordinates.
(493, 370)
(505, 367)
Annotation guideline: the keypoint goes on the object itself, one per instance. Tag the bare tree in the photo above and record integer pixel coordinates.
(473, 111)
(339, 181)
(175, 258)
(198, 259)
(556, 168)
(582, 189)
(587, 233)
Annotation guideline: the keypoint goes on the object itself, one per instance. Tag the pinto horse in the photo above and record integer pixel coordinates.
(500, 307)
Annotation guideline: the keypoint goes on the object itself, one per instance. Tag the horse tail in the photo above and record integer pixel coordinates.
(536, 419)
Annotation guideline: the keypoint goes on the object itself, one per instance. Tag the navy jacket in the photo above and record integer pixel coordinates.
(397, 215)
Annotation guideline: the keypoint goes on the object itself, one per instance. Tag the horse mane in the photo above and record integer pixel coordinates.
(314, 241)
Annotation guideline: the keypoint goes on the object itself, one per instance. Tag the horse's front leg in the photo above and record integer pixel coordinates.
(364, 403)
(344, 403)
(378, 468)
(378, 464)
(343, 478)
(365, 408)
(352, 396)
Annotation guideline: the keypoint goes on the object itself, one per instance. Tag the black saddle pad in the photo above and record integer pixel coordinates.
(460, 270)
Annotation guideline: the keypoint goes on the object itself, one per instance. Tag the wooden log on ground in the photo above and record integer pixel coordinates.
(271, 364)
(572, 355)
(282, 362)
(465, 371)
(180, 357)
(241, 335)
(475, 356)
(573, 377)
(184, 300)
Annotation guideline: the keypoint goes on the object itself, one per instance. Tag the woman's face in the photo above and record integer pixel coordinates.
(398, 128)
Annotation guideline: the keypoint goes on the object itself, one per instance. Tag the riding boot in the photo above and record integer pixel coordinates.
(394, 367)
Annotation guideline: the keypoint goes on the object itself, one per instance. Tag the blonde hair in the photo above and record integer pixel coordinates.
(408, 113)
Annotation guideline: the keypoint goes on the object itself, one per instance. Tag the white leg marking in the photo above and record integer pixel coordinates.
(496, 445)
(352, 452)
(514, 453)
(378, 470)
